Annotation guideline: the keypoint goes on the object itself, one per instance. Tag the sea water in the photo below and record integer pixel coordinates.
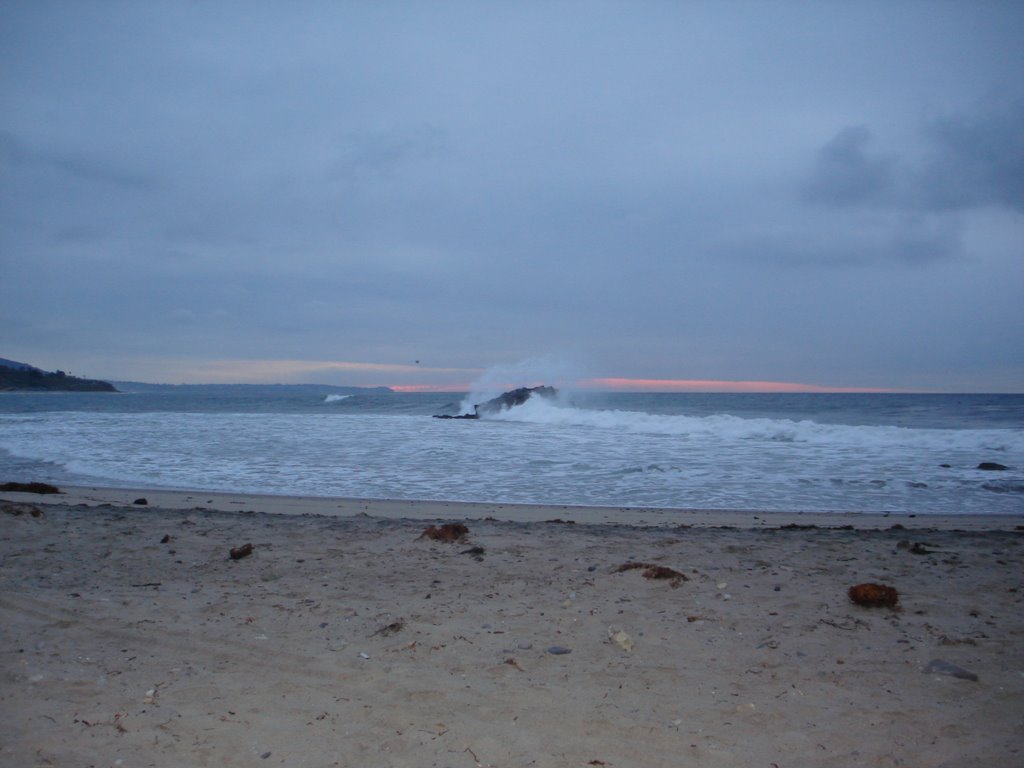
(806, 452)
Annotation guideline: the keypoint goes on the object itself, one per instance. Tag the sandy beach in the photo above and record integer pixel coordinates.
(130, 637)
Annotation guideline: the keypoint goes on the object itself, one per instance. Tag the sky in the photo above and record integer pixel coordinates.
(633, 195)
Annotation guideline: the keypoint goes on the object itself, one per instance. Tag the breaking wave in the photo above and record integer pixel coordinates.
(724, 428)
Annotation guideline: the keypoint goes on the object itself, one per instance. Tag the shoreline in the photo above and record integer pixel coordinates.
(433, 510)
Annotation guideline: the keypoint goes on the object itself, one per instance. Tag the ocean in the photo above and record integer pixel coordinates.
(909, 453)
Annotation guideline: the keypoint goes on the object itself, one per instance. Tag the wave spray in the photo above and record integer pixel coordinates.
(532, 372)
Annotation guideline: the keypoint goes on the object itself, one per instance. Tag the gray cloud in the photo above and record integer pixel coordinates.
(845, 173)
(867, 240)
(665, 190)
(970, 160)
(17, 155)
(911, 207)
(364, 156)
(976, 159)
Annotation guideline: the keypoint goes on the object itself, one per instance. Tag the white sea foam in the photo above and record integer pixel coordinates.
(724, 428)
(336, 398)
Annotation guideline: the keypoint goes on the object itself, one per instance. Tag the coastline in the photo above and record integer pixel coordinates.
(132, 637)
(397, 509)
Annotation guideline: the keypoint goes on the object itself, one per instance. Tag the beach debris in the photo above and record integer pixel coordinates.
(942, 667)
(559, 650)
(237, 553)
(947, 640)
(476, 552)
(871, 595)
(449, 532)
(141, 501)
(850, 624)
(620, 638)
(513, 663)
(992, 466)
(390, 629)
(30, 488)
(654, 571)
(167, 539)
(916, 548)
(23, 509)
(115, 721)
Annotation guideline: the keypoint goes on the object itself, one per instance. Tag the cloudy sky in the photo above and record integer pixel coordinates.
(829, 194)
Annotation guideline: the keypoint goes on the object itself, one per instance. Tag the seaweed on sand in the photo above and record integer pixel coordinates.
(448, 532)
(654, 571)
(873, 595)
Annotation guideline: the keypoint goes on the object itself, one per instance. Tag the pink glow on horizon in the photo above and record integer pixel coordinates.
(430, 387)
(711, 385)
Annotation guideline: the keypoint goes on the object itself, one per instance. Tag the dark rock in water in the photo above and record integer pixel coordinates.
(513, 398)
(141, 502)
(941, 667)
(992, 466)
(504, 402)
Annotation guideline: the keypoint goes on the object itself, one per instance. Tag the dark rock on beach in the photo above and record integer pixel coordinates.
(30, 488)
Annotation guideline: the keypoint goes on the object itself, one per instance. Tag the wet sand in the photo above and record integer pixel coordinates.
(129, 637)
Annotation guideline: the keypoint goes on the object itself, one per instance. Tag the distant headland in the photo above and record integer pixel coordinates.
(21, 377)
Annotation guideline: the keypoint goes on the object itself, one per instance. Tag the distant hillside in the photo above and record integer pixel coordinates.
(16, 376)
(5, 363)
